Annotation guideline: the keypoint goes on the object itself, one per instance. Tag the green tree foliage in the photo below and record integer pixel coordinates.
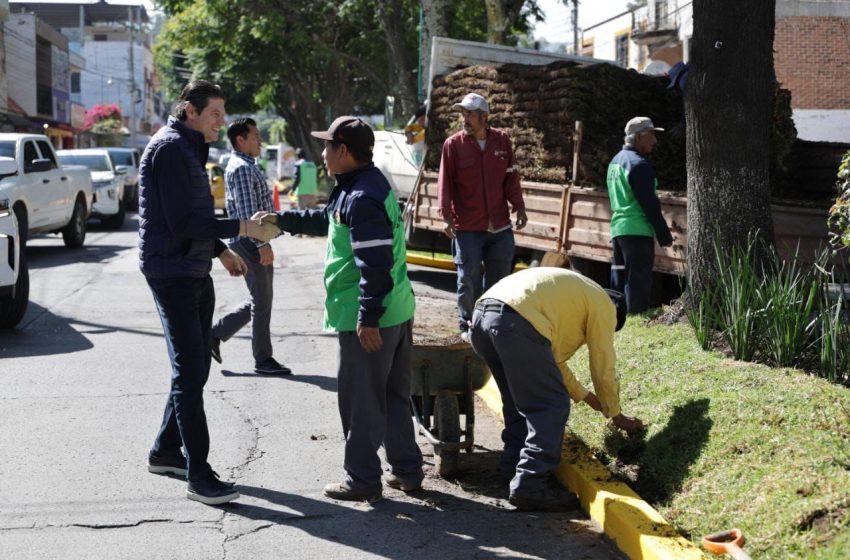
(307, 61)
(839, 214)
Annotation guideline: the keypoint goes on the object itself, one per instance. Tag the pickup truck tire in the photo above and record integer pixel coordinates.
(117, 220)
(12, 309)
(74, 234)
(23, 225)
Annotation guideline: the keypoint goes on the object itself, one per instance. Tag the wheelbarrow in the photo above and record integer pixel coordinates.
(443, 384)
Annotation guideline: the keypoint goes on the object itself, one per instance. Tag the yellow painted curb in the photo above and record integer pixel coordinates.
(430, 261)
(639, 531)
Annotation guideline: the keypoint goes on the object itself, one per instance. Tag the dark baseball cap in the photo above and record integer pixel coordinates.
(351, 131)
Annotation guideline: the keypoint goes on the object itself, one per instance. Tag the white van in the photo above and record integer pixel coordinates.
(394, 157)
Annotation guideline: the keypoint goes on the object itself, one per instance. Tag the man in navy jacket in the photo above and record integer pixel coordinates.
(178, 237)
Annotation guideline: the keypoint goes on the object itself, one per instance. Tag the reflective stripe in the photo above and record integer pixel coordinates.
(618, 267)
(372, 243)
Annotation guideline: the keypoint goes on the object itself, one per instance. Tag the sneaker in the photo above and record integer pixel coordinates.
(401, 484)
(215, 349)
(167, 463)
(270, 366)
(466, 337)
(342, 491)
(211, 491)
(550, 498)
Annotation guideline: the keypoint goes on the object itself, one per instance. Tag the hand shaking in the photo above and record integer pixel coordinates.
(260, 228)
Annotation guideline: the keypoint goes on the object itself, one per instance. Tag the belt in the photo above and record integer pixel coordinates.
(495, 305)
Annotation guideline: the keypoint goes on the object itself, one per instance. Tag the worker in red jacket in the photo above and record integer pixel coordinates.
(478, 189)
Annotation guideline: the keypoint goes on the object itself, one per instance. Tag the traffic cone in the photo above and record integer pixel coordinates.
(276, 198)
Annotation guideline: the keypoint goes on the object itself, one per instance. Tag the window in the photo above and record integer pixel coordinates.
(7, 149)
(30, 155)
(95, 162)
(621, 45)
(75, 82)
(47, 153)
(100, 37)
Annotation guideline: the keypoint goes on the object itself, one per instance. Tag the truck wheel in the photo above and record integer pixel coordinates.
(12, 309)
(23, 224)
(447, 421)
(74, 234)
(116, 221)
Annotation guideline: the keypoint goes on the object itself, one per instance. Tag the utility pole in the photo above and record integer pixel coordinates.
(575, 27)
(133, 125)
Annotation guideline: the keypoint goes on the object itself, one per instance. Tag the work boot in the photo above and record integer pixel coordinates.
(552, 497)
(342, 491)
(215, 349)
(167, 463)
(405, 485)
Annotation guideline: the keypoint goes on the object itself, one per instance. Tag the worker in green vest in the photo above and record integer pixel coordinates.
(636, 220)
(369, 303)
(304, 180)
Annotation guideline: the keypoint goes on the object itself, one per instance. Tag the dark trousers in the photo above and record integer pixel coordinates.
(257, 308)
(185, 308)
(631, 271)
(374, 405)
(469, 250)
(535, 402)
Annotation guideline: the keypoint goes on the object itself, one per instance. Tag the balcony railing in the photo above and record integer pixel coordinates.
(655, 22)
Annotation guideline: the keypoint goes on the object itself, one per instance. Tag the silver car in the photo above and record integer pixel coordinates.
(128, 158)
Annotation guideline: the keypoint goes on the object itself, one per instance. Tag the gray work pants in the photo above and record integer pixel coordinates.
(257, 308)
(535, 402)
(374, 405)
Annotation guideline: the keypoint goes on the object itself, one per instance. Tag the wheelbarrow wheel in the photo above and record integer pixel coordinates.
(447, 422)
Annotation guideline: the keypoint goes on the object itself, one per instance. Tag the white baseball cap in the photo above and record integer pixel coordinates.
(472, 102)
(641, 124)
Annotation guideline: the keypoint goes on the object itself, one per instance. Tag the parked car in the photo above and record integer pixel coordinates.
(129, 158)
(215, 172)
(107, 182)
(45, 196)
(14, 276)
(393, 156)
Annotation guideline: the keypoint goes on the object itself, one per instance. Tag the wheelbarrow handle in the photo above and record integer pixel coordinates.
(726, 542)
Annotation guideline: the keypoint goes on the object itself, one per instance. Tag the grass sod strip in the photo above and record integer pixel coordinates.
(729, 444)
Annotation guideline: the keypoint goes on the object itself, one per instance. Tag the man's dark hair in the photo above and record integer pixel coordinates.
(240, 129)
(361, 155)
(198, 93)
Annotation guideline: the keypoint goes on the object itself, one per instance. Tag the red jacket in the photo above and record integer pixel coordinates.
(475, 186)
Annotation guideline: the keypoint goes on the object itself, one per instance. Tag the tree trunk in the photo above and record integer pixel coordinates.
(434, 14)
(729, 101)
(392, 19)
(502, 15)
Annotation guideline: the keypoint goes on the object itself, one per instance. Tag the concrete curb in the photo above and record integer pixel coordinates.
(637, 529)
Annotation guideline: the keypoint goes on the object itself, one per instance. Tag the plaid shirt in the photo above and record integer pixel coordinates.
(245, 189)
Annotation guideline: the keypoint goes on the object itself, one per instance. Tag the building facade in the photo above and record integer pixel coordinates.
(811, 46)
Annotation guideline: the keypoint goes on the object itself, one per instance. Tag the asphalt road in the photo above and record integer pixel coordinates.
(83, 381)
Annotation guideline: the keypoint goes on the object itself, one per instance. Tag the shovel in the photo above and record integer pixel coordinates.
(726, 542)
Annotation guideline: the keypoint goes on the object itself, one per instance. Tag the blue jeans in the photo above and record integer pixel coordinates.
(185, 308)
(469, 250)
(631, 271)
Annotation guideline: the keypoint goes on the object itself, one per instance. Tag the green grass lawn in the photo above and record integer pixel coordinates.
(729, 444)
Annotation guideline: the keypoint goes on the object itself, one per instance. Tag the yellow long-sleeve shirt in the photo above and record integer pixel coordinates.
(569, 310)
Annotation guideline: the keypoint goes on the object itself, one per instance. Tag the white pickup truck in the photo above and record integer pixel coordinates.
(45, 197)
(14, 276)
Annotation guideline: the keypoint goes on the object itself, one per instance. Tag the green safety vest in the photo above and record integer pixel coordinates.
(342, 277)
(308, 183)
(627, 217)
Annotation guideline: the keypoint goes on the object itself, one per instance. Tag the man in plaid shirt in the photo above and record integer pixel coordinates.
(246, 193)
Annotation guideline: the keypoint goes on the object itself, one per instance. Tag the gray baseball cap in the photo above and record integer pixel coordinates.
(472, 102)
(641, 124)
